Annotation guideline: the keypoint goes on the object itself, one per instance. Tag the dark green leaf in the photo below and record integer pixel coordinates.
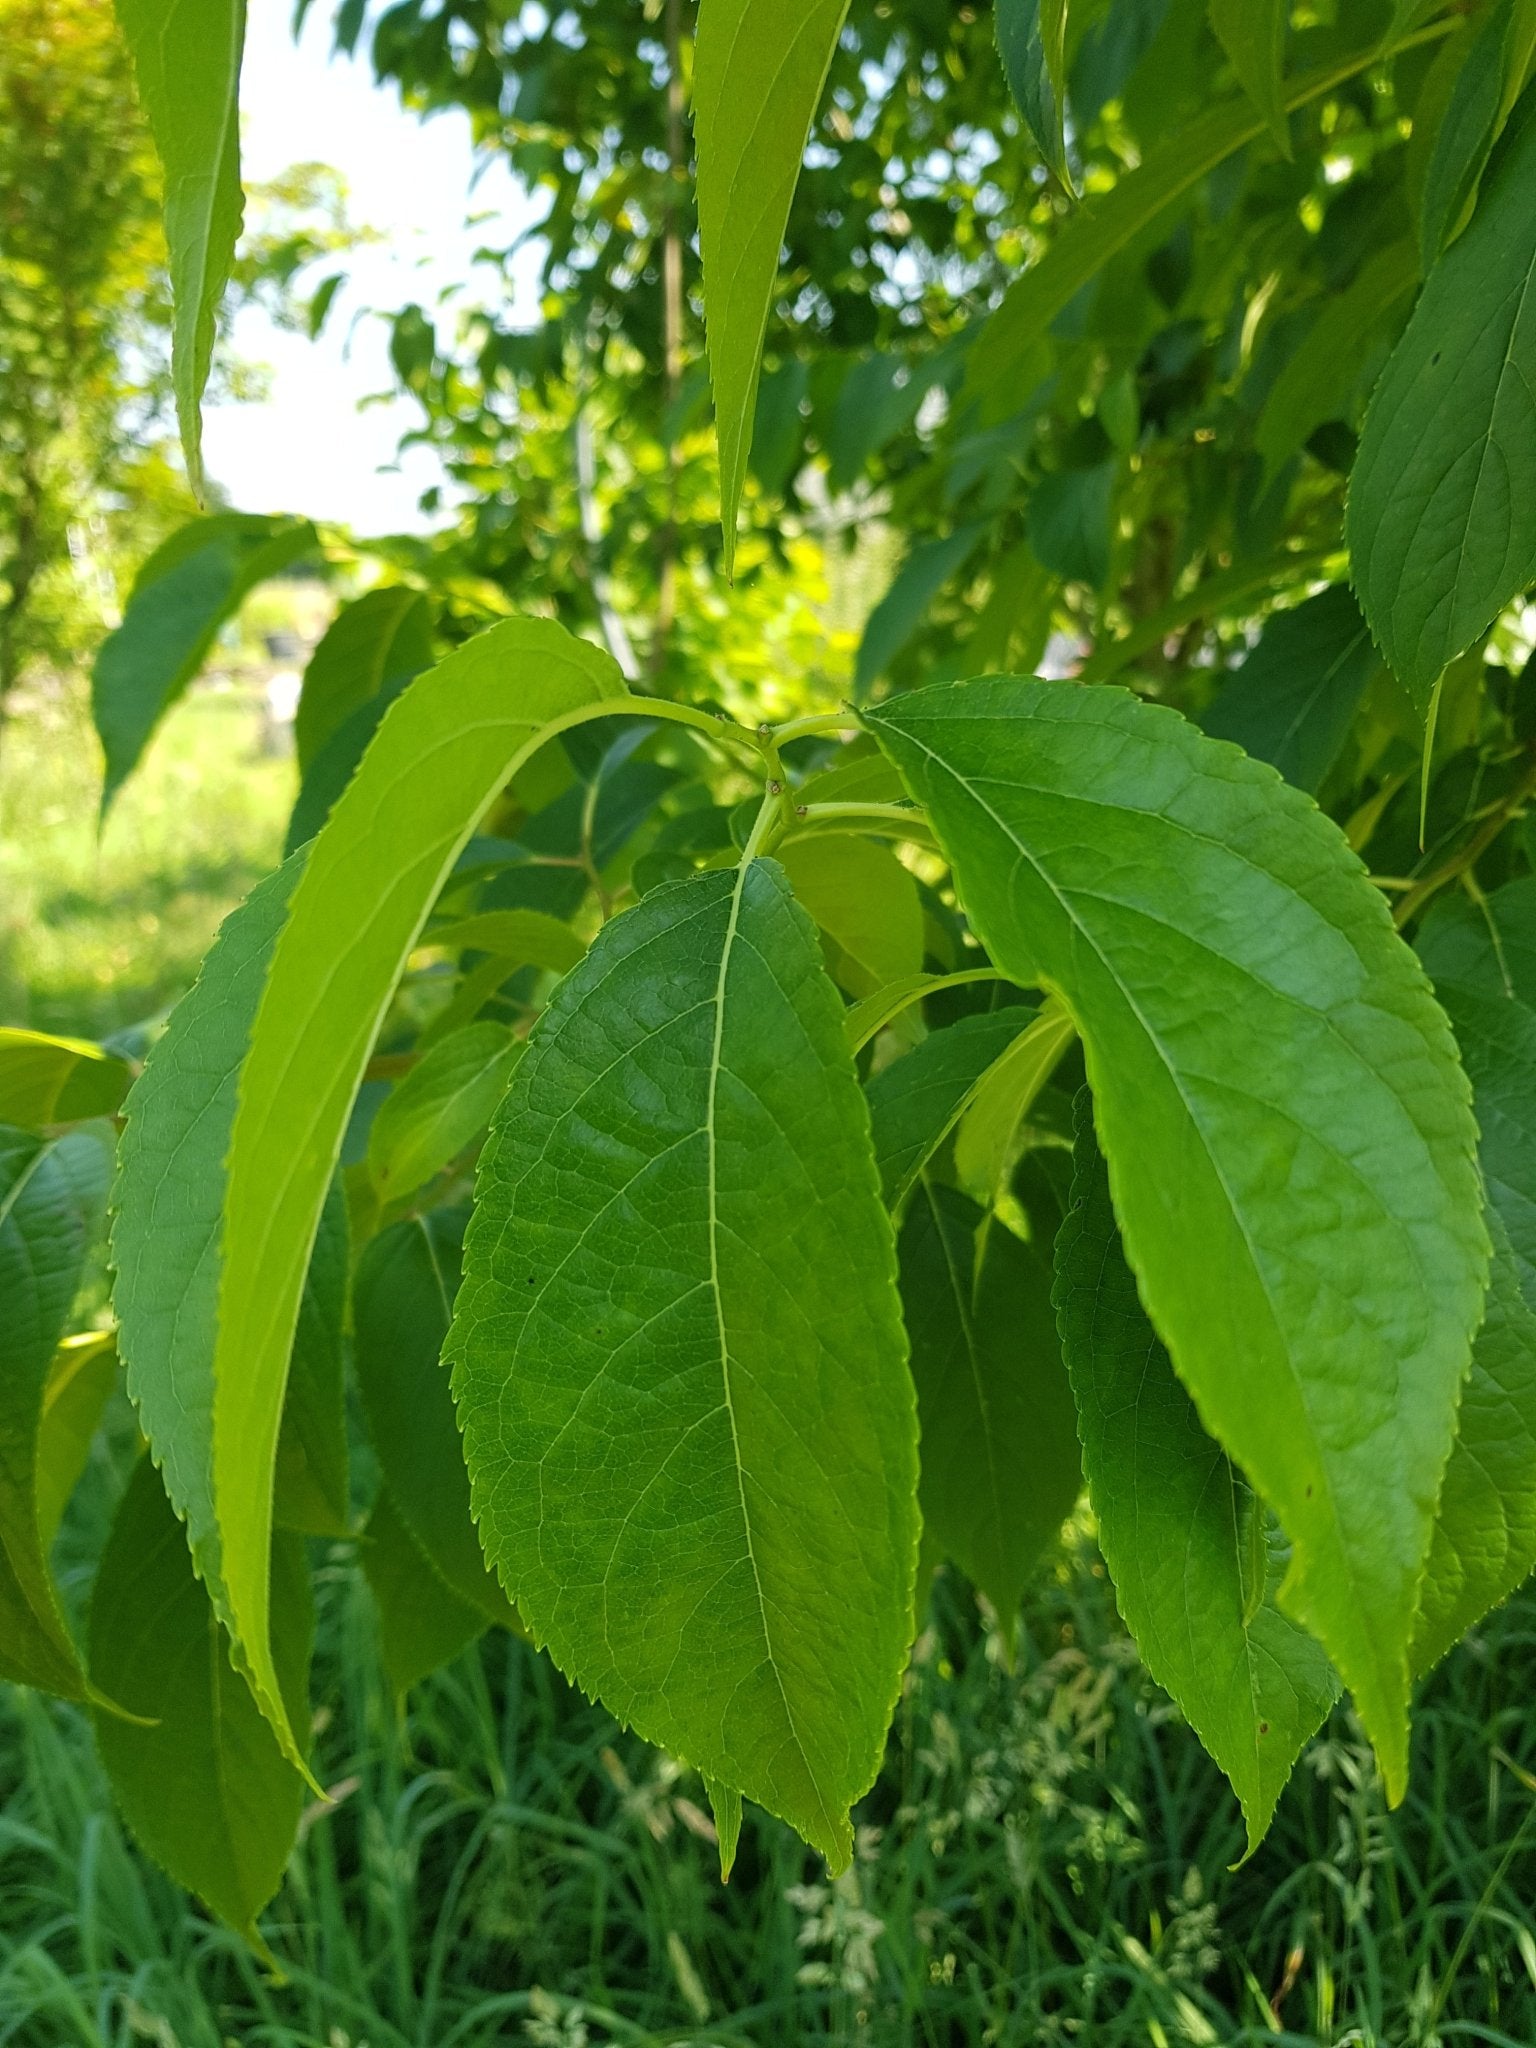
(1252, 32)
(440, 1107)
(916, 1101)
(422, 1622)
(865, 901)
(48, 1080)
(1294, 698)
(1272, 1082)
(384, 638)
(80, 1380)
(311, 1482)
(1069, 522)
(679, 1359)
(1031, 38)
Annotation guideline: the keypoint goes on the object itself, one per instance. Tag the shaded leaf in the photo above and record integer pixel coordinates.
(1292, 700)
(678, 1355)
(384, 637)
(1069, 530)
(439, 1108)
(916, 1101)
(423, 1624)
(1252, 32)
(80, 1380)
(1031, 40)
(865, 901)
(988, 1138)
(48, 1080)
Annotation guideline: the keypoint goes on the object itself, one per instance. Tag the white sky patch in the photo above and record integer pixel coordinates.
(309, 449)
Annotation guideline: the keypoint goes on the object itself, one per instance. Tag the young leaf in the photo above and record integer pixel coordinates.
(1181, 1531)
(678, 1353)
(181, 597)
(187, 58)
(1031, 40)
(987, 1140)
(402, 1306)
(384, 637)
(1273, 1083)
(199, 1776)
(1252, 32)
(916, 1101)
(758, 71)
(52, 1196)
(1490, 946)
(80, 1380)
(1440, 536)
(47, 1080)
(423, 1624)
(865, 901)
(312, 1495)
(1292, 700)
(443, 750)
(438, 1109)
(1001, 1466)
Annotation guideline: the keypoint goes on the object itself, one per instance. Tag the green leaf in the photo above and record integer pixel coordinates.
(1108, 221)
(528, 938)
(1440, 535)
(312, 1492)
(1031, 40)
(402, 1306)
(1182, 1532)
(82, 1376)
(1488, 945)
(988, 1138)
(1069, 522)
(766, 59)
(1497, 1036)
(866, 1020)
(52, 1197)
(445, 748)
(678, 1353)
(423, 1624)
(917, 1100)
(187, 59)
(895, 620)
(865, 901)
(1292, 701)
(1001, 1467)
(440, 1107)
(1273, 1084)
(200, 1778)
(1252, 32)
(181, 597)
(1319, 381)
(1465, 136)
(384, 637)
(48, 1080)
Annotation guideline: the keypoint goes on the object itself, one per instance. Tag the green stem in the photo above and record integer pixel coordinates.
(817, 722)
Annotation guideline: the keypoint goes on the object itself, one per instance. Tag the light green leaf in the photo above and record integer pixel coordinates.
(200, 1778)
(423, 1624)
(865, 901)
(446, 746)
(878, 1012)
(916, 1101)
(1001, 1466)
(758, 71)
(678, 1355)
(1069, 522)
(1273, 1083)
(312, 1491)
(1319, 381)
(1292, 700)
(48, 1080)
(526, 938)
(439, 1108)
(988, 1139)
(1252, 32)
(1440, 536)
(52, 1198)
(1184, 1536)
(1110, 220)
(1031, 40)
(82, 1376)
(187, 59)
(402, 1306)
(183, 594)
(384, 637)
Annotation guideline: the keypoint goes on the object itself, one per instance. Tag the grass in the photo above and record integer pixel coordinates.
(1045, 1859)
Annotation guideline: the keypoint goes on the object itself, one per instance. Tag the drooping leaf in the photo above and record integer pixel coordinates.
(187, 60)
(929, 566)
(1440, 536)
(1031, 40)
(678, 1355)
(1293, 699)
(1194, 1565)
(385, 636)
(1273, 1083)
(48, 1080)
(916, 1101)
(437, 1110)
(1252, 32)
(423, 1624)
(80, 1380)
(52, 1196)
(446, 746)
(1001, 1466)
(865, 901)
(402, 1306)
(987, 1139)
(1069, 522)
(181, 597)
(311, 1477)
(199, 1776)
(758, 71)
(1321, 379)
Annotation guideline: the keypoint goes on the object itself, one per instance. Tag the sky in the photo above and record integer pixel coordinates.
(308, 448)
